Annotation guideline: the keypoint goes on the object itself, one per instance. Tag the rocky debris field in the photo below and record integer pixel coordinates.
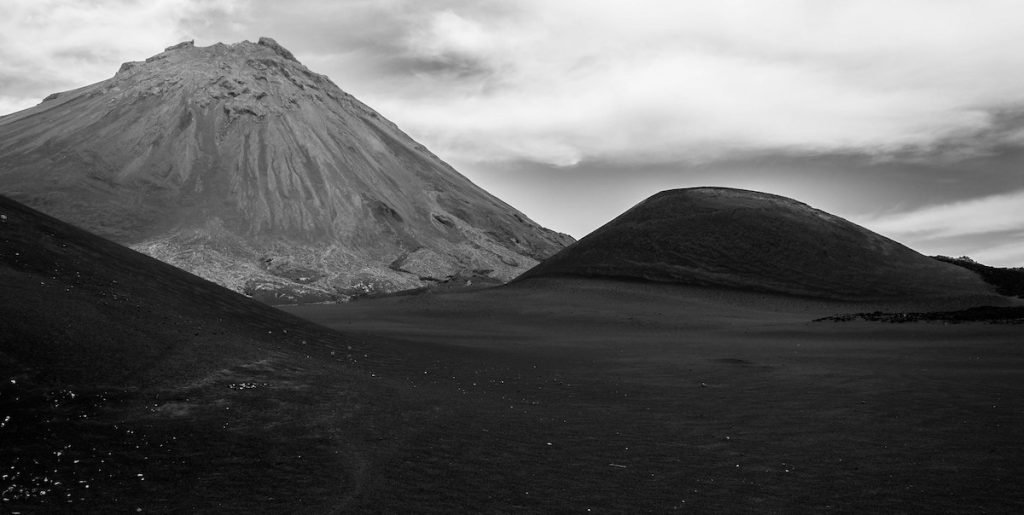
(989, 314)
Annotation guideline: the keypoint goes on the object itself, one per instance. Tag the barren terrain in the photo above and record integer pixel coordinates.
(129, 385)
(625, 396)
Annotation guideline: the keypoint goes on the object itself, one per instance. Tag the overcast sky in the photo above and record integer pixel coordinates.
(904, 116)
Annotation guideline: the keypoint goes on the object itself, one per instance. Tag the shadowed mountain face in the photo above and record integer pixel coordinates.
(239, 164)
(757, 241)
(83, 310)
(118, 370)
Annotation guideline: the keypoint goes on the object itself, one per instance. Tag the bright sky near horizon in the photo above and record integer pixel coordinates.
(906, 116)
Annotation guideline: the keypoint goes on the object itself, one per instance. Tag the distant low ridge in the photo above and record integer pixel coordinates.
(239, 164)
(757, 241)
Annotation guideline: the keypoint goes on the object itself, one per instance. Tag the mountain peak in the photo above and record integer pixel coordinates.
(238, 163)
(245, 79)
(184, 44)
(264, 41)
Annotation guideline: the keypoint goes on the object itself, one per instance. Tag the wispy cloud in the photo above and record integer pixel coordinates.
(1010, 254)
(643, 81)
(989, 229)
(995, 213)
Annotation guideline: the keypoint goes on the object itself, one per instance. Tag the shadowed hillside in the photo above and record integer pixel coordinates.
(127, 383)
(120, 311)
(757, 241)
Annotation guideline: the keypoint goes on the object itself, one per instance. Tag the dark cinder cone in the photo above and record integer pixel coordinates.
(761, 242)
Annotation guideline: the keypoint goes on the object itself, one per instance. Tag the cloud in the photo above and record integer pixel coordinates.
(581, 80)
(1010, 254)
(448, 33)
(991, 214)
(989, 229)
(710, 90)
(53, 45)
(640, 81)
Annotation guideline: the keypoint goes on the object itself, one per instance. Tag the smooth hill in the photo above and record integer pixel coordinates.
(756, 241)
(241, 165)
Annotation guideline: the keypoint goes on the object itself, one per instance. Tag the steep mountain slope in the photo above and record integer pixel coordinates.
(757, 241)
(239, 164)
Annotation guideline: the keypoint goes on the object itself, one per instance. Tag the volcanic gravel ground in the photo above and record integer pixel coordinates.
(129, 385)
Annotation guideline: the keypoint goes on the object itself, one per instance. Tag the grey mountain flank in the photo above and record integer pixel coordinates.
(239, 164)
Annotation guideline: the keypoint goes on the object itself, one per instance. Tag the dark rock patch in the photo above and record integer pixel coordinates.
(988, 314)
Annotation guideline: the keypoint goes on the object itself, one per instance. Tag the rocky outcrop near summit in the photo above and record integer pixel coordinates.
(239, 164)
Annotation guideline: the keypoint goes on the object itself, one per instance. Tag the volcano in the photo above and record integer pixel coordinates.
(240, 165)
(748, 240)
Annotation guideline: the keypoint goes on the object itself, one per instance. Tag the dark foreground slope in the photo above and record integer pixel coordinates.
(127, 383)
(757, 241)
(239, 164)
